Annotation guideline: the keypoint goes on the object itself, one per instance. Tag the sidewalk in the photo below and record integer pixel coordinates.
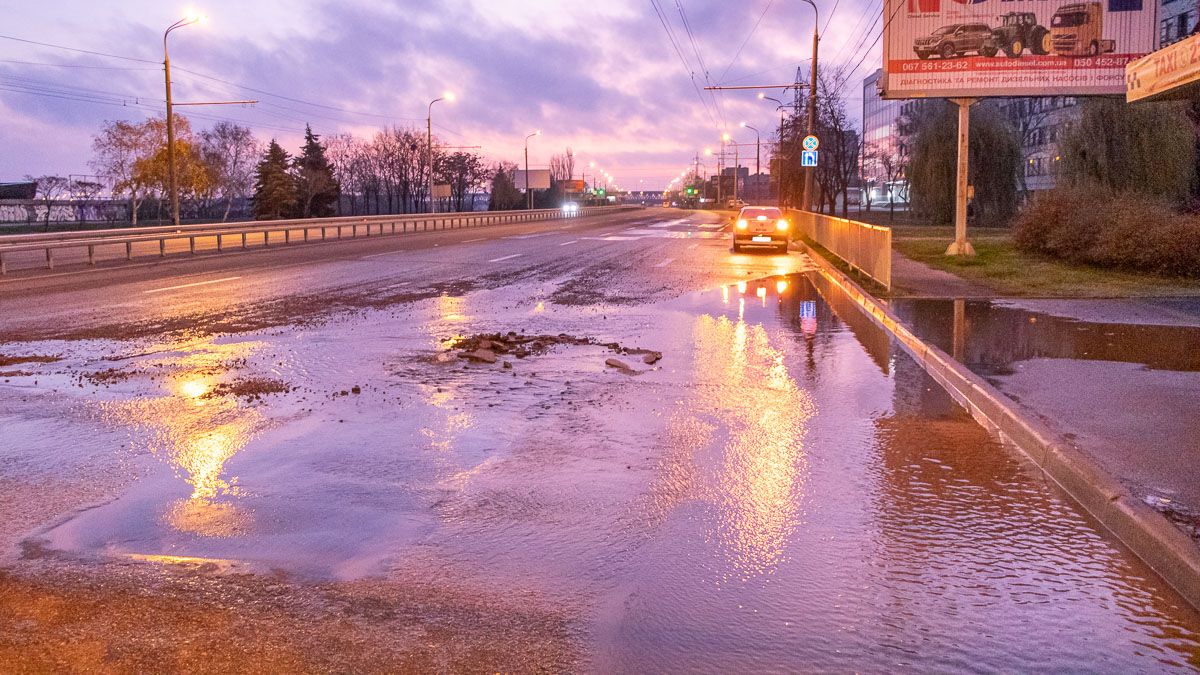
(918, 280)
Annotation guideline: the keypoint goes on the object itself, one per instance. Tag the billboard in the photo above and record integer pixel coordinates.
(573, 186)
(539, 179)
(972, 48)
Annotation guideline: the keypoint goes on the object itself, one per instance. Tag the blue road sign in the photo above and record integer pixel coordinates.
(808, 158)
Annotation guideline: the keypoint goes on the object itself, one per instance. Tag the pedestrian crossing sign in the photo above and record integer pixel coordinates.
(808, 158)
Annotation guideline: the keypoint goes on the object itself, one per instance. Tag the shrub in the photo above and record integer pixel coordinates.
(1096, 227)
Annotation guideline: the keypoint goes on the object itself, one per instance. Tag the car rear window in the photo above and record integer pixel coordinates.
(751, 214)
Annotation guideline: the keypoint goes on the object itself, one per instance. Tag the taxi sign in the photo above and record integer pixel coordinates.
(811, 142)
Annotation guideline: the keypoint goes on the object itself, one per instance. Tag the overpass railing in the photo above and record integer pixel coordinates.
(866, 248)
(258, 233)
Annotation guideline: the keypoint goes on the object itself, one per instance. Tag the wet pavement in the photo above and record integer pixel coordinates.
(227, 478)
(1118, 378)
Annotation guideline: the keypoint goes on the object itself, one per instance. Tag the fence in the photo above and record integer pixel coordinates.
(866, 248)
(258, 233)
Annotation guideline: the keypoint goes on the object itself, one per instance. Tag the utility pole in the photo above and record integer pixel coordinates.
(528, 192)
(812, 105)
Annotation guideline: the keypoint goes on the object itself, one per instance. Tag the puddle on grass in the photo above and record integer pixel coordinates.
(784, 490)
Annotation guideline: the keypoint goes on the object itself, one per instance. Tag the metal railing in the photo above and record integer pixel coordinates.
(866, 248)
(258, 233)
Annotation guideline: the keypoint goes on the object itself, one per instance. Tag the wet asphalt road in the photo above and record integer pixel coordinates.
(276, 462)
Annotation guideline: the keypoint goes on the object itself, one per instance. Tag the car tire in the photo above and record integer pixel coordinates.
(947, 51)
(923, 55)
(1013, 49)
(1040, 42)
(736, 248)
(1094, 49)
(988, 51)
(783, 250)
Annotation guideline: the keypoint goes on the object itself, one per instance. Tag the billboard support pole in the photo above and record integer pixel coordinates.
(961, 246)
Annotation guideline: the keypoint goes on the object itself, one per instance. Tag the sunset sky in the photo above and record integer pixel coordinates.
(600, 77)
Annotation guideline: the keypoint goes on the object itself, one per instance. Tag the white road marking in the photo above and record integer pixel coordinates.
(198, 283)
(506, 257)
(568, 243)
(666, 262)
(529, 236)
(376, 255)
(693, 246)
(472, 241)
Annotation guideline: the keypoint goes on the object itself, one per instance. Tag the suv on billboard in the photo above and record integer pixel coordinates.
(1078, 30)
(1020, 30)
(956, 40)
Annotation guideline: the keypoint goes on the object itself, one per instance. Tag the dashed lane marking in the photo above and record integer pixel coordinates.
(472, 241)
(666, 262)
(568, 243)
(506, 257)
(198, 283)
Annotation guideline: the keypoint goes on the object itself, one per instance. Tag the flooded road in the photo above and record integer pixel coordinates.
(784, 491)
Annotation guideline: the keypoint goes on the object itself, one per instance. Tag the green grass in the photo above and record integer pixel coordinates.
(999, 266)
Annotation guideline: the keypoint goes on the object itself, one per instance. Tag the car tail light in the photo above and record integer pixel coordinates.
(781, 225)
(742, 224)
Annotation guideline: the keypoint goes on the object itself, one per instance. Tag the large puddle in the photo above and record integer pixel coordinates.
(785, 490)
(1119, 377)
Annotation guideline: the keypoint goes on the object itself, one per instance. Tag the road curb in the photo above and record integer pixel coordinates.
(1147, 533)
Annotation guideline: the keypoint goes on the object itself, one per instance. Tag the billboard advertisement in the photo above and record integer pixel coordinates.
(973, 48)
(539, 179)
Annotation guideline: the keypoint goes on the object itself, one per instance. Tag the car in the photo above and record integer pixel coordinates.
(734, 204)
(957, 39)
(761, 226)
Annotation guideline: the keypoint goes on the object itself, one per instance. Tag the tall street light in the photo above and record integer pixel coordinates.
(528, 192)
(448, 96)
(171, 184)
(757, 155)
(812, 103)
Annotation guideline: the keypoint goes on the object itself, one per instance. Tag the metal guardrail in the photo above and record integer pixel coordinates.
(866, 248)
(367, 225)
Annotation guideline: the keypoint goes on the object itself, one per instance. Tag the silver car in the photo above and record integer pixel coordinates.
(761, 226)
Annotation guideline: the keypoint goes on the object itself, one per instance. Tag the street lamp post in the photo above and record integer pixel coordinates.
(757, 155)
(171, 183)
(448, 96)
(528, 192)
(812, 103)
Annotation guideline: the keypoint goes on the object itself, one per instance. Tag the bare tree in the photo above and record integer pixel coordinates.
(83, 193)
(562, 167)
(49, 190)
(231, 152)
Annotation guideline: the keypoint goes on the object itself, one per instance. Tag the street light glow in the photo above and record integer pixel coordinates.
(449, 96)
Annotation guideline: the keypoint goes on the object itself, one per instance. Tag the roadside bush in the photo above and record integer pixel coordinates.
(1097, 227)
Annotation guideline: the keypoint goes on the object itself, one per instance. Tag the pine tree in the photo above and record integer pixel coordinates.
(274, 187)
(317, 188)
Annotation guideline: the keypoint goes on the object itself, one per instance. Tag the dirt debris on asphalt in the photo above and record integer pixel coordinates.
(251, 389)
(488, 348)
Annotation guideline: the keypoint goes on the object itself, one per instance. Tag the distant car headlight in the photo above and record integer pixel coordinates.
(742, 224)
(781, 225)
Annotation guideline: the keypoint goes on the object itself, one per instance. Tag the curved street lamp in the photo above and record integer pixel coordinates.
(448, 96)
(188, 20)
(757, 155)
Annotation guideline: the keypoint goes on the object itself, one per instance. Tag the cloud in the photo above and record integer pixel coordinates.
(601, 78)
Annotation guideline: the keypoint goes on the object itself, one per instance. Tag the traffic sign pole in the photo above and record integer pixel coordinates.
(961, 246)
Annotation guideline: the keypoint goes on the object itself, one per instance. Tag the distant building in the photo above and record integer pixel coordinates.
(881, 137)
(22, 190)
(1040, 122)
(1177, 20)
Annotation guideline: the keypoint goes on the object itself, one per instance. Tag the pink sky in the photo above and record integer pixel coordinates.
(600, 77)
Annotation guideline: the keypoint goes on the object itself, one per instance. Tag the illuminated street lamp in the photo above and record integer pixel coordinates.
(528, 192)
(188, 20)
(448, 96)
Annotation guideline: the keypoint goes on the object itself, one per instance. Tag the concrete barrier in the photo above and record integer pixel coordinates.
(1147, 533)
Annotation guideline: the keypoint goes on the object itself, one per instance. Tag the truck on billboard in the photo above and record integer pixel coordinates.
(976, 48)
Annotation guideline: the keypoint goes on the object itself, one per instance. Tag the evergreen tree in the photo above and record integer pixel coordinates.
(317, 190)
(504, 195)
(274, 187)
